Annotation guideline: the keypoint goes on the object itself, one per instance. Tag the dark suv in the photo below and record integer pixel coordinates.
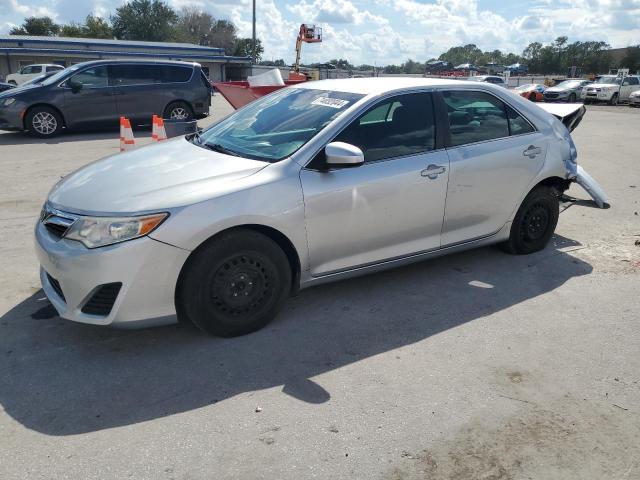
(95, 94)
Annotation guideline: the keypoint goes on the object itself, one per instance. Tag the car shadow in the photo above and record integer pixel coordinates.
(62, 378)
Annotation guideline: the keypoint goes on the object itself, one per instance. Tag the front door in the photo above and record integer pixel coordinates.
(630, 84)
(93, 105)
(494, 154)
(389, 207)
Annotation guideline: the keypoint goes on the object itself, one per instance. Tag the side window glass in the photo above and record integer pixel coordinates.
(172, 74)
(475, 117)
(127, 75)
(517, 124)
(95, 77)
(633, 80)
(400, 126)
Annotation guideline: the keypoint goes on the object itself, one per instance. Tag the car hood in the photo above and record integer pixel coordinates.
(19, 89)
(162, 176)
(558, 89)
(605, 85)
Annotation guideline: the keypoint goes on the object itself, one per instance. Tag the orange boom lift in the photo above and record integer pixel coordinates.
(307, 34)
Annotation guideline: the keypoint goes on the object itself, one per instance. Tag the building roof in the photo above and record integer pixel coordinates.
(108, 42)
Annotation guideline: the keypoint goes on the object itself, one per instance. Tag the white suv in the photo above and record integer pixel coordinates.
(32, 71)
(611, 89)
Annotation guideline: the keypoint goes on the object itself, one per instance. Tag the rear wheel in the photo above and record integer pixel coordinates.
(534, 223)
(43, 122)
(178, 111)
(614, 99)
(235, 284)
(13, 82)
(532, 97)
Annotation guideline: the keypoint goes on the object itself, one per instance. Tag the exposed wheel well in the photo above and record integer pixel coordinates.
(281, 239)
(26, 113)
(560, 184)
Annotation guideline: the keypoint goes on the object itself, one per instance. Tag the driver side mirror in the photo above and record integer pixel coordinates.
(340, 154)
(75, 86)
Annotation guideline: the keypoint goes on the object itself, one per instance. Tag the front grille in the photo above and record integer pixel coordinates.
(101, 302)
(56, 229)
(56, 286)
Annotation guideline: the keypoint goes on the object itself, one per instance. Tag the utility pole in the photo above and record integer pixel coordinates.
(253, 44)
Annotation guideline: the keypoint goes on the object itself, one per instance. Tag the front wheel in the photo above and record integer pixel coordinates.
(534, 223)
(43, 122)
(12, 82)
(234, 284)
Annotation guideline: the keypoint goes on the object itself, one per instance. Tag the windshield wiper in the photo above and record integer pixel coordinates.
(216, 147)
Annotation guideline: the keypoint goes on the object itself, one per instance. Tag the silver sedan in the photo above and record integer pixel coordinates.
(310, 184)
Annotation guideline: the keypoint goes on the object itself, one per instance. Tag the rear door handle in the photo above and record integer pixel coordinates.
(532, 151)
(432, 171)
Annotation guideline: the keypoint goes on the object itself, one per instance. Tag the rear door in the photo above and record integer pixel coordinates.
(94, 104)
(389, 207)
(494, 155)
(138, 91)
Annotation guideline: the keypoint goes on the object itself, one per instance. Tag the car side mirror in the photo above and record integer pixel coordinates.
(340, 154)
(75, 86)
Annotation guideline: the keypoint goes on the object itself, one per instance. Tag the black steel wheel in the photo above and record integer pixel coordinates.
(234, 284)
(535, 222)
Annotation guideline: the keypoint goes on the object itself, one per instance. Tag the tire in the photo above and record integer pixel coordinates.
(534, 223)
(43, 122)
(532, 97)
(614, 100)
(234, 284)
(178, 111)
(572, 98)
(13, 82)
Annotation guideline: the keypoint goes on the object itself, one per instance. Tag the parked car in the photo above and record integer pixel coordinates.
(565, 91)
(492, 68)
(634, 99)
(466, 67)
(490, 79)
(517, 69)
(310, 184)
(32, 71)
(437, 66)
(95, 94)
(6, 86)
(531, 91)
(611, 89)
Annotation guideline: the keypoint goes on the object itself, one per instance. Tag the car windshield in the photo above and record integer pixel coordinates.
(275, 126)
(56, 77)
(569, 84)
(614, 80)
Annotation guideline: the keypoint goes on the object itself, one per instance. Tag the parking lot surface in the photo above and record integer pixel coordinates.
(475, 365)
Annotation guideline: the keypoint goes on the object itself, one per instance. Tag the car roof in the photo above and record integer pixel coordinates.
(376, 85)
(137, 62)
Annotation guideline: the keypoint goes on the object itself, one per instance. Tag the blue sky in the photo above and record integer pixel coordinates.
(388, 31)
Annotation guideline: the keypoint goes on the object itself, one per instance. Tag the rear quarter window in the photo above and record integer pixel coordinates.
(171, 73)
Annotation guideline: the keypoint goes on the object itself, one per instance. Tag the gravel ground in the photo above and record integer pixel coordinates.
(477, 365)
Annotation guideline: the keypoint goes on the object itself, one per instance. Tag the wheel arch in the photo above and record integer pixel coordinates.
(274, 234)
(42, 104)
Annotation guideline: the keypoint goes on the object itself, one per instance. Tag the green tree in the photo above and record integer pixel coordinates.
(151, 20)
(96, 27)
(223, 34)
(631, 59)
(194, 25)
(43, 26)
(244, 48)
(72, 30)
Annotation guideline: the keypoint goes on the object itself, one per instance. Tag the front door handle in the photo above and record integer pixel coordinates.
(532, 151)
(432, 171)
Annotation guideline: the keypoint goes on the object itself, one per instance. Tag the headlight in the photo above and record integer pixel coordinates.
(101, 231)
(8, 101)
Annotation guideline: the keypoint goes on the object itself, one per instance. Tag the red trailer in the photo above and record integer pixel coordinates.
(238, 94)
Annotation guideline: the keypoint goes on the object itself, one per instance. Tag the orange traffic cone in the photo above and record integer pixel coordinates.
(127, 141)
(154, 128)
(158, 133)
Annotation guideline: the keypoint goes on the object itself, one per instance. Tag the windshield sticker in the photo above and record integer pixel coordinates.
(330, 102)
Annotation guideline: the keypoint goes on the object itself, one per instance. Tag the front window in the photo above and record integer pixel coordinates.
(275, 126)
(95, 77)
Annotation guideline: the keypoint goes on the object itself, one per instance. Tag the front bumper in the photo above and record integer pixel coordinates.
(146, 269)
(11, 118)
